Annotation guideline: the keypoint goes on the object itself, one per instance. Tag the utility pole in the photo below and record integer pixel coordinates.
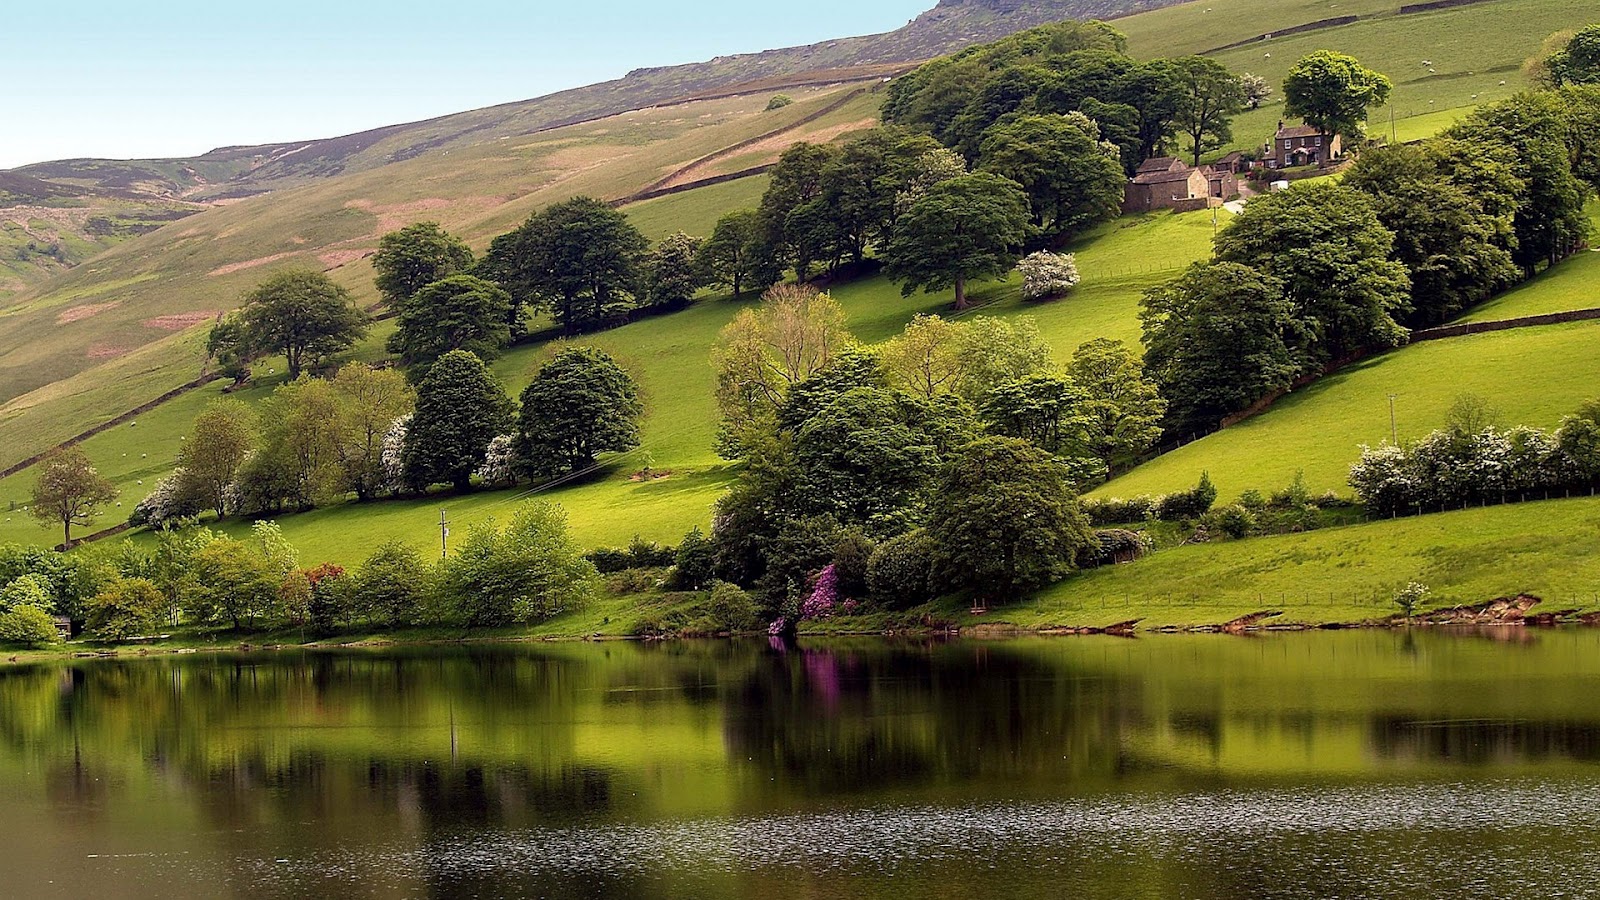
(1394, 427)
(444, 534)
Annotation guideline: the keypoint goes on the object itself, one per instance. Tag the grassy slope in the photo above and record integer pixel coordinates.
(1343, 574)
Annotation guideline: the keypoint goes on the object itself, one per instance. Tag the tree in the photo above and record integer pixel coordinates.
(965, 228)
(763, 352)
(580, 404)
(1046, 275)
(461, 312)
(736, 252)
(864, 461)
(1332, 92)
(416, 256)
(223, 435)
(1217, 339)
(925, 358)
(792, 218)
(69, 491)
(368, 401)
(460, 409)
(1212, 96)
(1451, 236)
(1579, 61)
(1324, 243)
(1044, 410)
(125, 608)
(226, 344)
(1071, 180)
(580, 259)
(1530, 133)
(1003, 520)
(1121, 405)
(303, 315)
(300, 444)
(232, 582)
(1255, 88)
(387, 586)
(992, 352)
(673, 273)
(526, 573)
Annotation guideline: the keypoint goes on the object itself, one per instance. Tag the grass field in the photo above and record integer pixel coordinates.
(1533, 376)
(1345, 574)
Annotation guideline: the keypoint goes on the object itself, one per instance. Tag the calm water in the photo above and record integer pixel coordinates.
(1318, 765)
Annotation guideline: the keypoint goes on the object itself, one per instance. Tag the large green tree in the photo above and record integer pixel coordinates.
(69, 491)
(961, 229)
(222, 437)
(1121, 405)
(1324, 243)
(416, 256)
(1451, 207)
(1578, 62)
(301, 314)
(1212, 96)
(460, 409)
(1217, 339)
(461, 312)
(1332, 92)
(579, 405)
(580, 259)
(368, 400)
(737, 254)
(1071, 179)
(672, 272)
(1004, 520)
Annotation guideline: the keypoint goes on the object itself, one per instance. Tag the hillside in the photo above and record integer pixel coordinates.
(185, 273)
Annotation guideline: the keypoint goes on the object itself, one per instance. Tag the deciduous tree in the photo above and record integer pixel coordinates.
(1332, 92)
(303, 315)
(416, 256)
(461, 312)
(69, 491)
(579, 405)
(961, 229)
(460, 409)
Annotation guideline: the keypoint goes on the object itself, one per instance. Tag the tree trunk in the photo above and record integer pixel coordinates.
(66, 534)
(961, 292)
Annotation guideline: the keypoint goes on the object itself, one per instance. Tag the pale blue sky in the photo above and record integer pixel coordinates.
(157, 78)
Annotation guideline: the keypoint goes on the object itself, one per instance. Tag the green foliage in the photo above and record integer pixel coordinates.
(1217, 339)
(414, 257)
(862, 459)
(221, 440)
(232, 582)
(1121, 406)
(673, 273)
(1324, 243)
(900, 571)
(1332, 92)
(1004, 521)
(526, 573)
(32, 589)
(579, 405)
(368, 401)
(303, 315)
(127, 607)
(29, 626)
(961, 229)
(1450, 206)
(1212, 96)
(1579, 61)
(1410, 597)
(461, 312)
(1071, 180)
(779, 101)
(1183, 506)
(460, 409)
(729, 608)
(298, 462)
(69, 491)
(579, 259)
(695, 562)
(1233, 520)
(1044, 410)
(737, 252)
(388, 587)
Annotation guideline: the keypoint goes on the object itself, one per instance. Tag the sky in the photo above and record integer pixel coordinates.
(173, 78)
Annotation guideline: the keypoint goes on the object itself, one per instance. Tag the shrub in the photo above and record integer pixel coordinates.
(388, 587)
(643, 554)
(330, 596)
(1410, 597)
(127, 607)
(499, 468)
(852, 553)
(527, 573)
(1116, 511)
(1047, 275)
(170, 503)
(779, 101)
(900, 570)
(33, 590)
(824, 595)
(29, 626)
(729, 608)
(1234, 521)
(1113, 545)
(1191, 504)
(607, 560)
(694, 562)
(633, 581)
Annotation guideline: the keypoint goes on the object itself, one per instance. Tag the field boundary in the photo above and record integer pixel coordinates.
(1341, 21)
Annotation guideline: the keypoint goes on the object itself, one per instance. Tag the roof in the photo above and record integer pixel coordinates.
(1295, 131)
(1234, 156)
(1163, 177)
(1159, 164)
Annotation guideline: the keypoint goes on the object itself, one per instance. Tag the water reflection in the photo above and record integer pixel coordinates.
(1295, 765)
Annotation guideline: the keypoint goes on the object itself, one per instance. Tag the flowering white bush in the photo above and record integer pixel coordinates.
(1046, 275)
(394, 452)
(499, 464)
(1449, 468)
(168, 503)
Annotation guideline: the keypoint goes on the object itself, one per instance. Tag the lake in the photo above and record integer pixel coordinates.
(1350, 764)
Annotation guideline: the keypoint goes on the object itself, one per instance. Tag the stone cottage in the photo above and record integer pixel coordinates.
(1302, 145)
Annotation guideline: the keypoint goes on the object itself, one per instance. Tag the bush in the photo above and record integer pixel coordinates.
(779, 101)
(32, 590)
(1410, 597)
(127, 607)
(1116, 511)
(729, 608)
(633, 581)
(29, 626)
(1186, 505)
(900, 571)
(527, 573)
(852, 554)
(388, 588)
(1114, 545)
(694, 562)
(640, 554)
(1234, 521)
(1047, 275)
(607, 560)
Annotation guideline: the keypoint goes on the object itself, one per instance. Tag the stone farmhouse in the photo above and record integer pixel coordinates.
(1167, 182)
(1302, 145)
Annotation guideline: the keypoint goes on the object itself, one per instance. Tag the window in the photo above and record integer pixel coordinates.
(1319, 140)
(1287, 144)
